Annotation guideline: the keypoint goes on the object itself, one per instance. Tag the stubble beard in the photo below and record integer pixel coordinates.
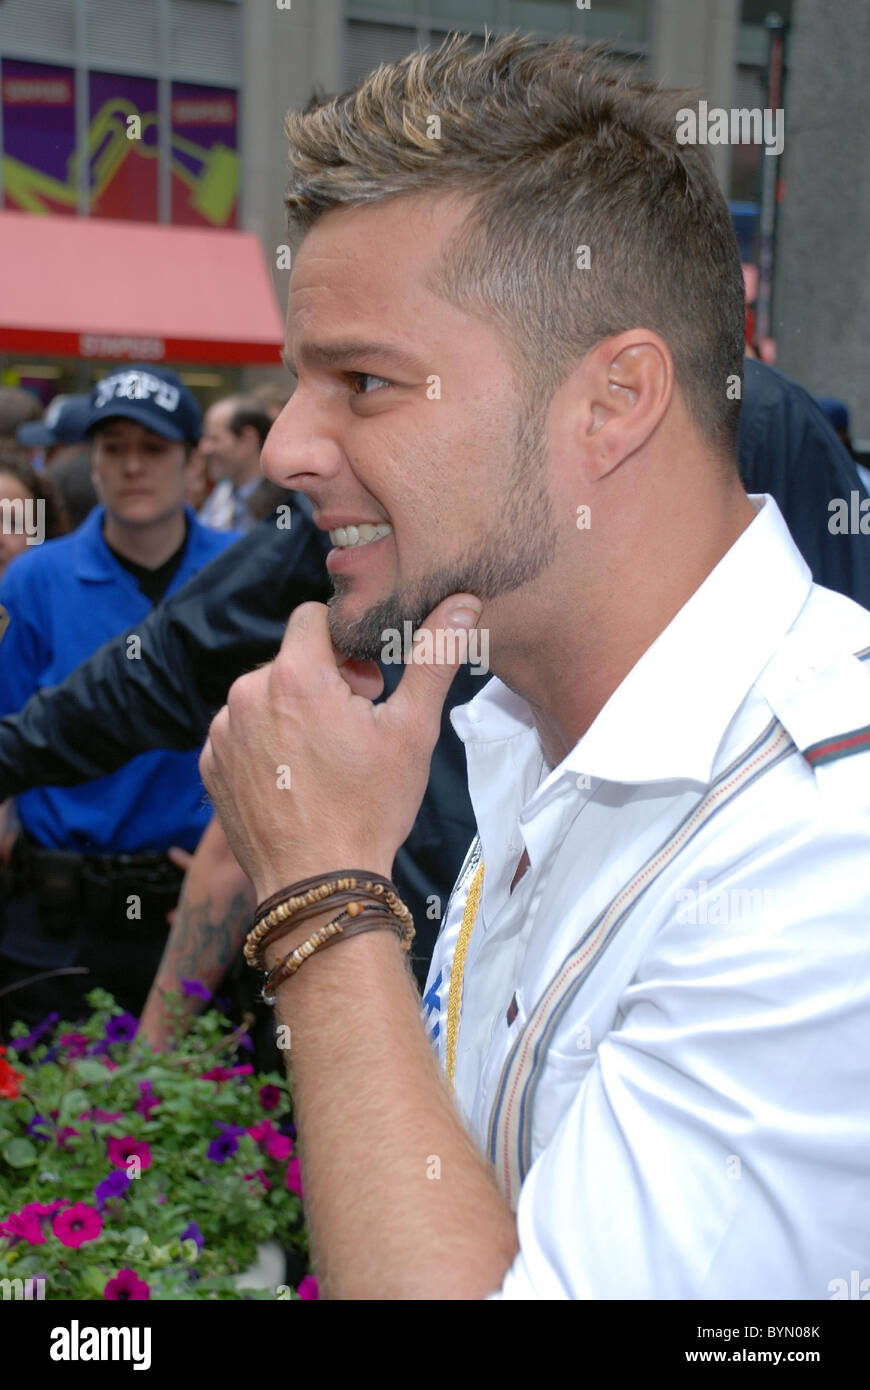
(520, 546)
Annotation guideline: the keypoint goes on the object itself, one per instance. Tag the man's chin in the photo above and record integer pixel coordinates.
(352, 628)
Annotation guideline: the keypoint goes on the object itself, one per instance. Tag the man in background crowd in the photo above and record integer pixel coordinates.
(57, 442)
(59, 433)
(234, 432)
(90, 881)
(17, 406)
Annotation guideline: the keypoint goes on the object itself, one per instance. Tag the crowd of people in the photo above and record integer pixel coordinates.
(134, 493)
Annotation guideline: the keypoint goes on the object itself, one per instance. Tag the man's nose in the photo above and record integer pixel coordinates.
(301, 445)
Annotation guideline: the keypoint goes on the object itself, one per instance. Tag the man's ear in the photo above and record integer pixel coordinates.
(628, 386)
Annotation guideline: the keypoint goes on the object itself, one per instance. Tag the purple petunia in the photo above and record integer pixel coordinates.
(33, 1129)
(30, 1039)
(195, 990)
(148, 1099)
(115, 1185)
(192, 1232)
(219, 1150)
(227, 1143)
(121, 1028)
(270, 1096)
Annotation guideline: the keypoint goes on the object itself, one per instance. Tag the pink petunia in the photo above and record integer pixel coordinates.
(23, 1225)
(120, 1150)
(148, 1100)
(64, 1134)
(308, 1287)
(126, 1284)
(278, 1146)
(78, 1224)
(258, 1173)
(262, 1131)
(216, 1074)
(293, 1181)
(75, 1044)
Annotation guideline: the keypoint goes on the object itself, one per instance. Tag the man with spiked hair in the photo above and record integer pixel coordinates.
(642, 1064)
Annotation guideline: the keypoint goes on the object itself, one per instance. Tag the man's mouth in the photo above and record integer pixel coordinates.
(348, 537)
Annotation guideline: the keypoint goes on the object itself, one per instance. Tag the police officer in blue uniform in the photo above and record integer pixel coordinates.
(90, 883)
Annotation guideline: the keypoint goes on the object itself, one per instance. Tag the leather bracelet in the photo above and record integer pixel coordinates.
(324, 937)
(289, 907)
(305, 885)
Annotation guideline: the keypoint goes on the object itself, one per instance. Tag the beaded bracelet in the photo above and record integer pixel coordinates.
(312, 889)
(374, 919)
(289, 907)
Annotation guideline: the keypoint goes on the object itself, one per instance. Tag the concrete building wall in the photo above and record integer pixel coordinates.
(822, 282)
(287, 53)
(694, 44)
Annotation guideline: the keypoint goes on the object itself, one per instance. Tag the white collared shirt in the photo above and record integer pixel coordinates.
(701, 1127)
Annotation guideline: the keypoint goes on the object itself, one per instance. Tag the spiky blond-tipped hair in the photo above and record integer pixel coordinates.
(557, 148)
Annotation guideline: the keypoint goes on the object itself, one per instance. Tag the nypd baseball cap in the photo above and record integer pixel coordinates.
(153, 396)
(62, 423)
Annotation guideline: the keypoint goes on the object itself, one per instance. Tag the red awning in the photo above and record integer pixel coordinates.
(88, 287)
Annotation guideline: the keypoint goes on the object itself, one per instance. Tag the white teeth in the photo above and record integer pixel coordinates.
(348, 536)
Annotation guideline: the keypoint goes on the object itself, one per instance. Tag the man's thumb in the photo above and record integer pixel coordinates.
(439, 647)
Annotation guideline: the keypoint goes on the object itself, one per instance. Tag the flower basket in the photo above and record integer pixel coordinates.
(131, 1174)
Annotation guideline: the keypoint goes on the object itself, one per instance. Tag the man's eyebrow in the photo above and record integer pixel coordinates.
(340, 354)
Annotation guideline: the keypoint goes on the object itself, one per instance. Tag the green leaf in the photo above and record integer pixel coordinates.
(73, 1103)
(19, 1153)
(89, 1070)
(95, 1278)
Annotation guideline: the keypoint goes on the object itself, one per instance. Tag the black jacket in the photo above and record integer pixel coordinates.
(788, 448)
(227, 620)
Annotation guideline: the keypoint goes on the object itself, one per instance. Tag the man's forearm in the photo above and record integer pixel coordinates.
(208, 929)
(399, 1202)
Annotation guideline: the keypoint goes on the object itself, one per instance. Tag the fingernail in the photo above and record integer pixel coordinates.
(463, 617)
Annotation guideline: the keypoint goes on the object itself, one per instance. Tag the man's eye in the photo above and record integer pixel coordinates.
(358, 378)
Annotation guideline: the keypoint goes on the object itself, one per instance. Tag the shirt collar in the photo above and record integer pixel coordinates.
(94, 560)
(667, 718)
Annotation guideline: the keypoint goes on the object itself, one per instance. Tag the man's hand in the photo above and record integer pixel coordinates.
(306, 774)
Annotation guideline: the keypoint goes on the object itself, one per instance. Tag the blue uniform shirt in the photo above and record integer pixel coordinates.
(65, 598)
